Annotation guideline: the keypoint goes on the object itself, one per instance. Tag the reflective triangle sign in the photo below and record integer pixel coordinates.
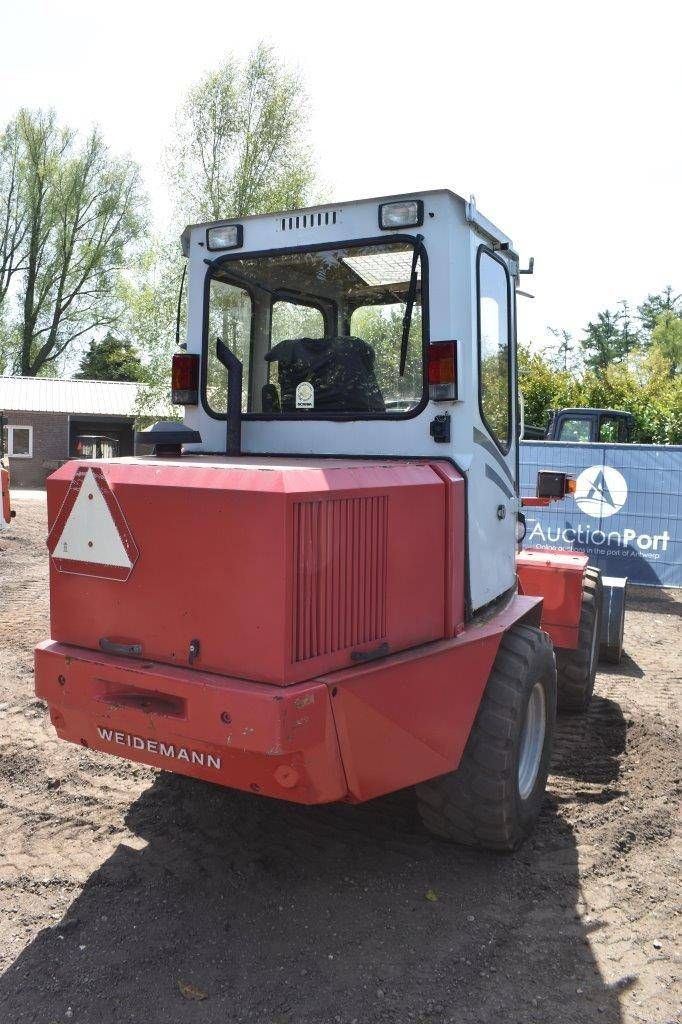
(90, 536)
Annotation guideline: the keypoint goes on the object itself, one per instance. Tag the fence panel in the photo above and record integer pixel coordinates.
(626, 513)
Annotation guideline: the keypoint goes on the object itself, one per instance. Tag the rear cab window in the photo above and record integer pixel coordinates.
(319, 331)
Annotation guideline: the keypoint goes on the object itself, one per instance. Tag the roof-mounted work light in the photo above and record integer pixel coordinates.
(408, 213)
(227, 236)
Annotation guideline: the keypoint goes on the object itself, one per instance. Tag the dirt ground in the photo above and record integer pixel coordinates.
(126, 894)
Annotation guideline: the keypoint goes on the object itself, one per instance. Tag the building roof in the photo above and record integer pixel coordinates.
(92, 397)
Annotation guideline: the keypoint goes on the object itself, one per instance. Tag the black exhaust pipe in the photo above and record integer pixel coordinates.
(233, 443)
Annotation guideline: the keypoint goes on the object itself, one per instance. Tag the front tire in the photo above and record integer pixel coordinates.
(577, 668)
(494, 798)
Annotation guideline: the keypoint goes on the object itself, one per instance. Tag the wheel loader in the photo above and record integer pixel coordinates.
(315, 588)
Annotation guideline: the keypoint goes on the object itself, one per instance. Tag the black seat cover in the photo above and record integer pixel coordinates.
(340, 369)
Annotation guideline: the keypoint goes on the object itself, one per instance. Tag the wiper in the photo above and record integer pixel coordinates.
(411, 295)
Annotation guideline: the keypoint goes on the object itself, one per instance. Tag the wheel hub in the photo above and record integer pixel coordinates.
(532, 741)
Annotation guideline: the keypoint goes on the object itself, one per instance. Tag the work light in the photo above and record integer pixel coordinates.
(409, 213)
(227, 236)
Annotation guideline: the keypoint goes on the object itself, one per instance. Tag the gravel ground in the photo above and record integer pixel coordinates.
(129, 895)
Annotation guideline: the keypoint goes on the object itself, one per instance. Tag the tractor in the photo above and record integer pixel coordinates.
(315, 588)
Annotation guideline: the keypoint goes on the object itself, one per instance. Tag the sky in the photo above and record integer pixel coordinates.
(562, 119)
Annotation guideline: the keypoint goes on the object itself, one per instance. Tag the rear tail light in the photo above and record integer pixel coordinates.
(442, 370)
(185, 379)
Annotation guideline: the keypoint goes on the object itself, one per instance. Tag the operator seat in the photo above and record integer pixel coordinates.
(340, 370)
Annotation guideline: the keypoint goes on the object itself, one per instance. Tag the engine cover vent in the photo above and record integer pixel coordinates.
(340, 571)
(308, 220)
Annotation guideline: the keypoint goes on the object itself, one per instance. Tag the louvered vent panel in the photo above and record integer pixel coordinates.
(307, 221)
(339, 574)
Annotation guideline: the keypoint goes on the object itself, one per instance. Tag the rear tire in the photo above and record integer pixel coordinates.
(494, 798)
(576, 669)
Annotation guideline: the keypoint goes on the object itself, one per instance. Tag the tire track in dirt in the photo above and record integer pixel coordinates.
(116, 880)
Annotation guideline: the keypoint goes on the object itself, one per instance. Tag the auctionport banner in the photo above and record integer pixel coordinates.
(626, 513)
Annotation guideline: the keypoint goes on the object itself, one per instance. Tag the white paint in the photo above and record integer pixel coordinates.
(90, 533)
(169, 750)
(451, 239)
(600, 491)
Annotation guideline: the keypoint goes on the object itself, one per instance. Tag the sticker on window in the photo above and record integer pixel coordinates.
(305, 395)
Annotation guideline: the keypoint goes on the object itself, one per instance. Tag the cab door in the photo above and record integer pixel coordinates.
(493, 502)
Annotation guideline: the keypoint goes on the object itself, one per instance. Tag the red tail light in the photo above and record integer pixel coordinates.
(185, 379)
(442, 369)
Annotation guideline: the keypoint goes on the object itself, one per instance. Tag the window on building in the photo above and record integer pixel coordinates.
(18, 441)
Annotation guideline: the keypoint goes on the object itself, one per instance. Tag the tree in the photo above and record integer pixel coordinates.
(111, 358)
(12, 212)
(666, 338)
(239, 152)
(149, 299)
(544, 387)
(605, 342)
(239, 148)
(74, 213)
(564, 351)
(654, 305)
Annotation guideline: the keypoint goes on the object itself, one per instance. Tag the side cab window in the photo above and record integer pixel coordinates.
(494, 346)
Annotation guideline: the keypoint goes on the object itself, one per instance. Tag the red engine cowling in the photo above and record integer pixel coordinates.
(264, 569)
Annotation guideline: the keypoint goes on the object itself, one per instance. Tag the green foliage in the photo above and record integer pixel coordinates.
(543, 387)
(649, 390)
(148, 295)
(666, 337)
(652, 307)
(240, 148)
(111, 358)
(382, 327)
(608, 340)
(562, 355)
(70, 213)
(239, 152)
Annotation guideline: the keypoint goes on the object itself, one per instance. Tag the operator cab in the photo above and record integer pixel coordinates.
(377, 328)
(607, 426)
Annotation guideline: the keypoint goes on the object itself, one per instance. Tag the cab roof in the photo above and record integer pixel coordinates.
(470, 207)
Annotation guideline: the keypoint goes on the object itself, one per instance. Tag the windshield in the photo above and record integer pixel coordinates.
(318, 332)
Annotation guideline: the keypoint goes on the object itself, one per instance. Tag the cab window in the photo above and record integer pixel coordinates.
(494, 348)
(320, 332)
(609, 430)
(295, 320)
(576, 429)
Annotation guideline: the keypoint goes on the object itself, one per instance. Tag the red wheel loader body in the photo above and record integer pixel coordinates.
(311, 611)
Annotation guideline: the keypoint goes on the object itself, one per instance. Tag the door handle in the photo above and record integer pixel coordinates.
(112, 647)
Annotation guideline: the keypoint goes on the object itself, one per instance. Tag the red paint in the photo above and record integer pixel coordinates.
(454, 547)
(4, 487)
(274, 736)
(349, 735)
(112, 572)
(537, 502)
(408, 718)
(556, 577)
(281, 568)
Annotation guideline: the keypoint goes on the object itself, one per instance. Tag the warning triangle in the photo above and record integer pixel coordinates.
(90, 535)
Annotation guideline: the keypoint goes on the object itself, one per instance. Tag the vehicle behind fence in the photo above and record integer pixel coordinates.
(626, 513)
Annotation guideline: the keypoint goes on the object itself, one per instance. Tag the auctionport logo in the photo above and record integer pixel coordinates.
(600, 491)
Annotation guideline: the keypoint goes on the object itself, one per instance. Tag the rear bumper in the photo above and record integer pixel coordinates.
(250, 736)
(354, 734)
